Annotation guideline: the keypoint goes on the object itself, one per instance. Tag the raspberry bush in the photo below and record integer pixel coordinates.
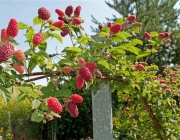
(150, 101)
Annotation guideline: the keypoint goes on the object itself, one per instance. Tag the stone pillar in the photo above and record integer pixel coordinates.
(102, 113)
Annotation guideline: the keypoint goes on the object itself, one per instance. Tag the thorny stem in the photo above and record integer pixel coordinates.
(153, 117)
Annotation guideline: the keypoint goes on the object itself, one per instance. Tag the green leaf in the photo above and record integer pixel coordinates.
(63, 93)
(141, 55)
(29, 91)
(37, 116)
(2, 78)
(53, 28)
(32, 64)
(5, 94)
(119, 20)
(121, 36)
(37, 20)
(36, 103)
(73, 49)
(57, 36)
(55, 114)
(104, 64)
(102, 34)
(29, 35)
(153, 34)
(130, 57)
(130, 48)
(105, 29)
(42, 46)
(21, 96)
(136, 29)
(136, 42)
(44, 107)
(22, 26)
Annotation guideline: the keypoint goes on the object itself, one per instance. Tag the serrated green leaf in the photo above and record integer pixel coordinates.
(121, 36)
(130, 48)
(32, 64)
(63, 93)
(53, 28)
(153, 34)
(36, 103)
(5, 94)
(29, 91)
(37, 20)
(2, 78)
(57, 36)
(136, 42)
(44, 107)
(29, 35)
(42, 46)
(105, 29)
(37, 116)
(21, 97)
(22, 26)
(136, 29)
(73, 49)
(141, 55)
(119, 20)
(102, 34)
(104, 64)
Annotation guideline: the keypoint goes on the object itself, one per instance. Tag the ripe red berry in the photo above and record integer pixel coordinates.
(6, 51)
(76, 21)
(139, 67)
(115, 28)
(168, 41)
(4, 36)
(61, 18)
(43, 13)
(81, 60)
(59, 12)
(72, 108)
(166, 34)
(77, 11)
(91, 66)
(12, 29)
(85, 73)
(38, 38)
(58, 24)
(18, 67)
(109, 24)
(76, 98)
(100, 27)
(66, 69)
(161, 35)
(20, 55)
(64, 32)
(131, 18)
(69, 10)
(54, 105)
(79, 82)
(147, 35)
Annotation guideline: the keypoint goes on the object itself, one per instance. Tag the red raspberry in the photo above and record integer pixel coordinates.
(91, 66)
(54, 105)
(86, 74)
(59, 12)
(61, 18)
(59, 23)
(44, 13)
(100, 27)
(168, 41)
(72, 108)
(131, 18)
(18, 67)
(4, 35)
(76, 21)
(38, 38)
(76, 98)
(139, 67)
(81, 60)
(69, 10)
(79, 82)
(20, 55)
(66, 69)
(64, 32)
(161, 35)
(12, 29)
(115, 28)
(6, 51)
(166, 34)
(77, 11)
(109, 24)
(147, 35)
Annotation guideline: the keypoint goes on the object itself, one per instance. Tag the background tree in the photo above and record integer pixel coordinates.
(157, 16)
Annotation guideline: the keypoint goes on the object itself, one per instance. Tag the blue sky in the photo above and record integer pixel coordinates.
(26, 10)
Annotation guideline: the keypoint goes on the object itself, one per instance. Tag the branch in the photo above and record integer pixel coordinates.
(153, 117)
